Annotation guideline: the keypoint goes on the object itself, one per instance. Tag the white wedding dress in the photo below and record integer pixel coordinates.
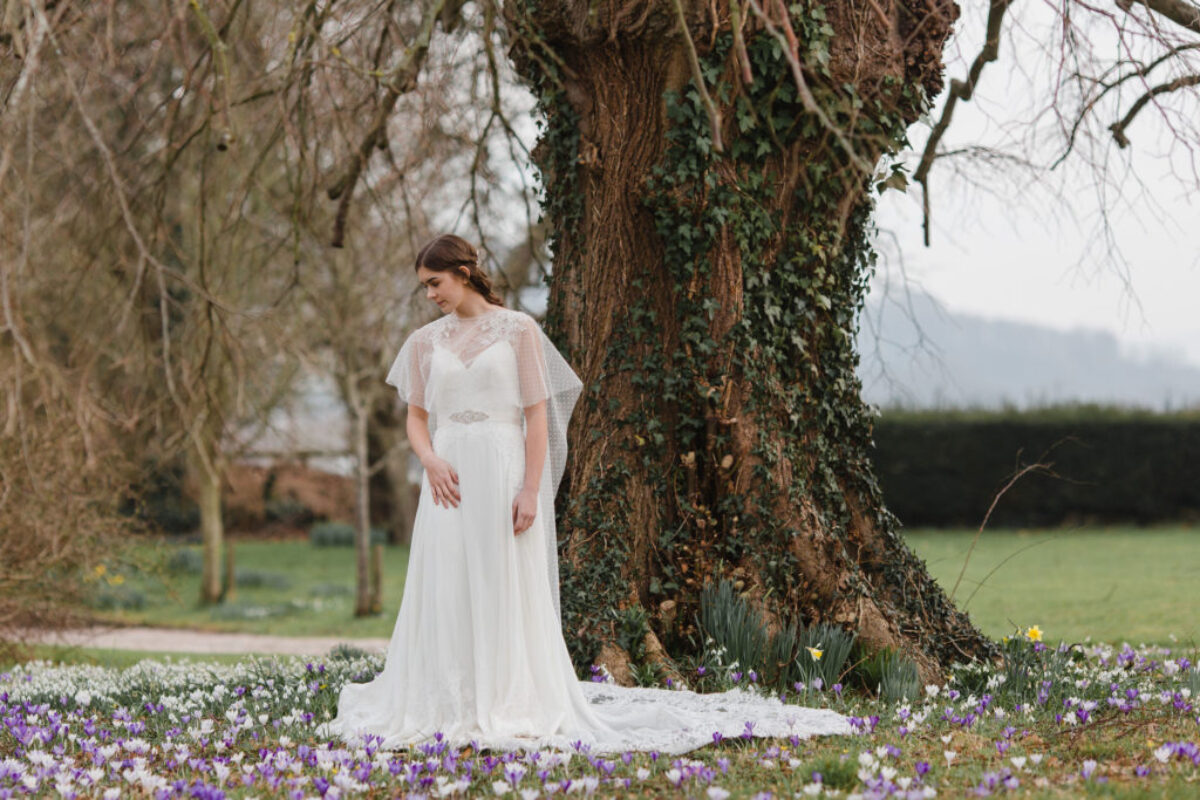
(477, 653)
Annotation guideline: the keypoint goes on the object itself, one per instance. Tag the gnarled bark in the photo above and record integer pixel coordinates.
(614, 64)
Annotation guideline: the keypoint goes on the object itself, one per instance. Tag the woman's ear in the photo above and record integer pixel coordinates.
(466, 273)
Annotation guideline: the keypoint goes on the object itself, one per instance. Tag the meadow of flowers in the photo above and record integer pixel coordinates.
(1048, 721)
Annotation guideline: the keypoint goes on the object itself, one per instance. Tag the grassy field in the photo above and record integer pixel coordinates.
(118, 659)
(1112, 584)
(285, 589)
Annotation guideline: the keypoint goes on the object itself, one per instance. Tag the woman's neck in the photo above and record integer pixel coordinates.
(473, 307)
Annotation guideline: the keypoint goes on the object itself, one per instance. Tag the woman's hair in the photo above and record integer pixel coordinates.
(447, 253)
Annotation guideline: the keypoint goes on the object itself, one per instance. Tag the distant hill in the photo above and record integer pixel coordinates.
(920, 355)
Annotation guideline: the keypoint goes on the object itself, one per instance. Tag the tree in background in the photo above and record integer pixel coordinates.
(164, 198)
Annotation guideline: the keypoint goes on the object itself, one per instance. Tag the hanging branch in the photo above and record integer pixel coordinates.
(1139, 71)
(1118, 128)
(959, 90)
(402, 80)
(220, 52)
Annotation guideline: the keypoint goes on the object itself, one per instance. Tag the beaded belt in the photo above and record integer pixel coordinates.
(470, 416)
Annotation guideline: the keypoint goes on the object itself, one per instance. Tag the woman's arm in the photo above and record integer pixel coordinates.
(536, 438)
(443, 479)
(417, 426)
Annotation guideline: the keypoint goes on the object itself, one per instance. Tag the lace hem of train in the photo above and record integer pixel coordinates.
(633, 720)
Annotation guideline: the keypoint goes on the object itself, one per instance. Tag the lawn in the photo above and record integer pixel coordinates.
(111, 658)
(284, 588)
(1112, 584)
(1051, 722)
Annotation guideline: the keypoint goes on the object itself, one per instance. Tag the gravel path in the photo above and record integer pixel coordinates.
(193, 641)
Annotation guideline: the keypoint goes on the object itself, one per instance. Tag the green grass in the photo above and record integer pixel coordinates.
(316, 598)
(117, 659)
(1112, 584)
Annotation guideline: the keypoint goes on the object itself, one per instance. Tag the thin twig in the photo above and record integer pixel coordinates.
(1016, 477)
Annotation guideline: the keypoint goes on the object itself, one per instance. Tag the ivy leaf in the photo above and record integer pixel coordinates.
(897, 180)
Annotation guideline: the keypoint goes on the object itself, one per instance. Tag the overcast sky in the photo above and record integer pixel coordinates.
(1034, 250)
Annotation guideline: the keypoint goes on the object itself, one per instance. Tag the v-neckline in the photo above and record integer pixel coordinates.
(464, 364)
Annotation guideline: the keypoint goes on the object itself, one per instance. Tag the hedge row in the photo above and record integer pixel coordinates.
(945, 469)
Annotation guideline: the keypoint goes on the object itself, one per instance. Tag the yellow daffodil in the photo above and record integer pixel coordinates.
(815, 653)
(1034, 634)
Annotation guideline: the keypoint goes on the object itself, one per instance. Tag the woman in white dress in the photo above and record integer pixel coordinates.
(477, 654)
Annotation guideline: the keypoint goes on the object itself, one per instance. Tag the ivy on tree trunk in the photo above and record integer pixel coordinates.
(709, 302)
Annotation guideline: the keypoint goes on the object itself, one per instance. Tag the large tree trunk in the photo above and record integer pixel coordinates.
(708, 302)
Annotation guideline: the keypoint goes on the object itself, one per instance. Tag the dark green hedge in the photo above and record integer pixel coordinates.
(1112, 466)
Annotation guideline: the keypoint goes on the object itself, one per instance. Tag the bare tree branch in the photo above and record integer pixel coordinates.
(959, 90)
(1180, 12)
(402, 79)
(1118, 128)
(1139, 71)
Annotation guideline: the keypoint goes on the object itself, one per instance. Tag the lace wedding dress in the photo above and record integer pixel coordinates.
(477, 653)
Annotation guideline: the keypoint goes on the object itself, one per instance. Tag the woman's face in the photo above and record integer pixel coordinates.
(446, 289)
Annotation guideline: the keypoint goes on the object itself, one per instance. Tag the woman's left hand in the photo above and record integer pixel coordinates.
(524, 510)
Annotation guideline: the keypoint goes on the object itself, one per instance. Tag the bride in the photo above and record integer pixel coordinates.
(477, 653)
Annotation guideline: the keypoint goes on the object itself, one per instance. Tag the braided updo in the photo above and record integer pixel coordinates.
(450, 253)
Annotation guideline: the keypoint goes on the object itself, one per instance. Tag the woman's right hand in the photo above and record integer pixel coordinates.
(443, 481)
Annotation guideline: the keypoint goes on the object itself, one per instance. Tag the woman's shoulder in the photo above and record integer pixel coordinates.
(500, 318)
(428, 331)
(510, 320)
(519, 318)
